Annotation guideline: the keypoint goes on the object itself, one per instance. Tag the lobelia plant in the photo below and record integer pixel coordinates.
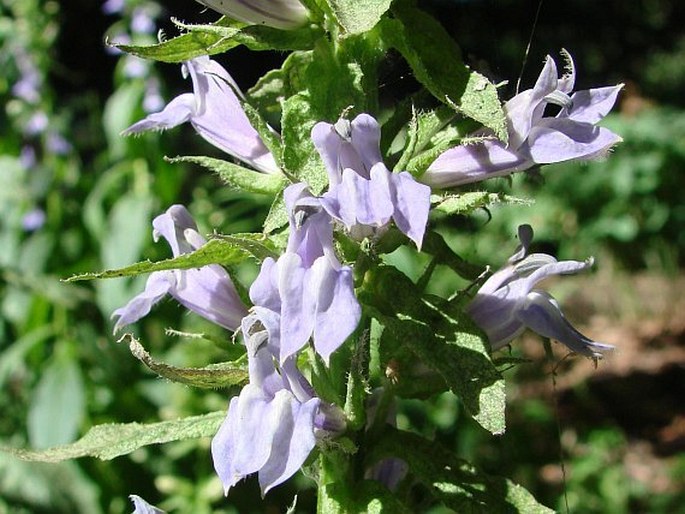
(329, 319)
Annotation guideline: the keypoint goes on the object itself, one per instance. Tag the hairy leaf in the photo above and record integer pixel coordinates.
(436, 62)
(224, 250)
(112, 440)
(357, 16)
(238, 177)
(225, 374)
(458, 484)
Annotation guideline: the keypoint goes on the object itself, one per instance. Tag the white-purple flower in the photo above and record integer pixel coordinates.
(207, 291)
(362, 192)
(214, 110)
(508, 302)
(143, 507)
(273, 425)
(309, 289)
(280, 14)
(533, 137)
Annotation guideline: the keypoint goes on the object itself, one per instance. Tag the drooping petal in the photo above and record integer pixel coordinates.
(562, 139)
(215, 111)
(157, 286)
(592, 105)
(412, 205)
(292, 443)
(507, 304)
(243, 443)
(178, 111)
(264, 289)
(337, 311)
(541, 313)
(358, 200)
(465, 164)
(209, 292)
(297, 307)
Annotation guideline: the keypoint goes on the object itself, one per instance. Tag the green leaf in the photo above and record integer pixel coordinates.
(58, 403)
(436, 62)
(466, 203)
(335, 79)
(449, 345)
(422, 128)
(300, 158)
(185, 47)
(237, 177)
(278, 215)
(435, 245)
(112, 440)
(368, 497)
(357, 16)
(458, 484)
(41, 487)
(259, 37)
(225, 374)
(224, 250)
(225, 34)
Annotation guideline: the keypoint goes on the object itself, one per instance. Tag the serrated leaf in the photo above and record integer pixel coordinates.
(259, 37)
(449, 345)
(112, 440)
(237, 177)
(219, 37)
(466, 203)
(225, 250)
(436, 62)
(422, 128)
(458, 484)
(184, 47)
(225, 374)
(357, 16)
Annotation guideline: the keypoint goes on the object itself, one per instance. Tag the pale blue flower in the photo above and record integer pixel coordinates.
(362, 192)
(280, 14)
(143, 507)
(207, 291)
(214, 110)
(273, 425)
(533, 137)
(308, 287)
(507, 303)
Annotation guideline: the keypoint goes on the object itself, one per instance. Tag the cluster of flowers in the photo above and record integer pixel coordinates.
(308, 294)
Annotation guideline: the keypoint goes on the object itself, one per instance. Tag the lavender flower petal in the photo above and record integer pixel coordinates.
(215, 111)
(280, 14)
(507, 303)
(533, 137)
(143, 507)
(207, 291)
(363, 193)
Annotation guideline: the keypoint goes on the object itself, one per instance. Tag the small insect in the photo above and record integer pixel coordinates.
(392, 371)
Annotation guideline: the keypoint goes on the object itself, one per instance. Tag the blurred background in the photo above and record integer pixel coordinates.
(77, 197)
